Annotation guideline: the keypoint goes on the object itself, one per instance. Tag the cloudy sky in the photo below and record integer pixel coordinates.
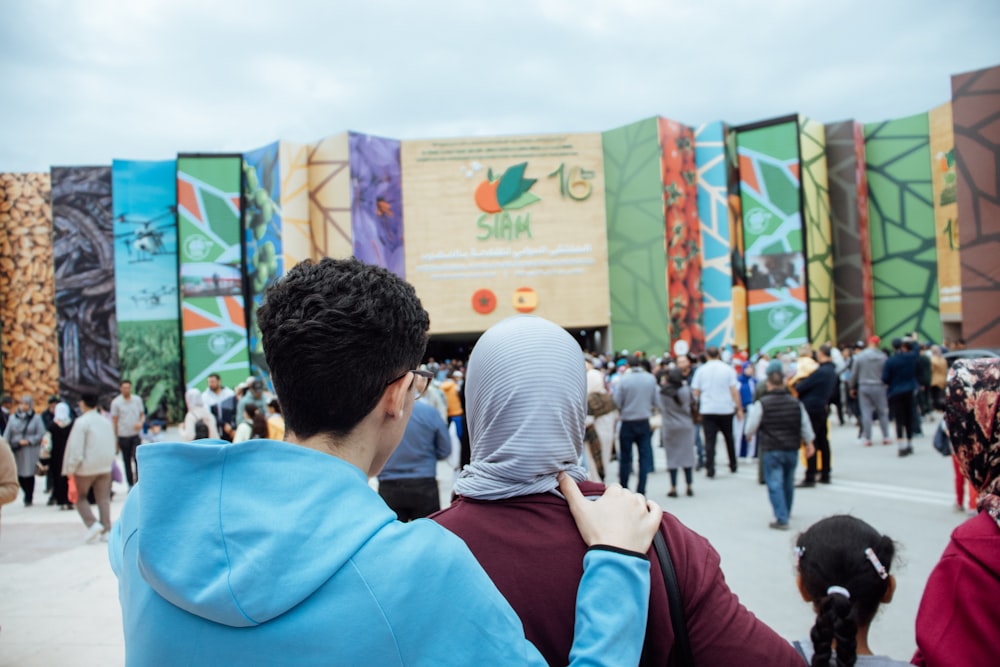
(84, 82)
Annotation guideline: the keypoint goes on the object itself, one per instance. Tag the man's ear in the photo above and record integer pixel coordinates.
(394, 397)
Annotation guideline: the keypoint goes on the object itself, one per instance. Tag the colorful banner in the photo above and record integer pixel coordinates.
(29, 348)
(842, 170)
(945, 187)
(741, 324)
(713, 212)
(819, 241)
(83, 254)
(770, 194)
(975, 98)
(500, 226)
(900, 205)
(377, 202)
(144, 198)
(637, 268)
(211, 268)
(296, 234)
(683, 233)
(265, 261)
(330, 197)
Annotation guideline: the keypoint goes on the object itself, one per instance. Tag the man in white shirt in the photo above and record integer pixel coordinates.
(221, 402)
(128, 414)
(716, 388)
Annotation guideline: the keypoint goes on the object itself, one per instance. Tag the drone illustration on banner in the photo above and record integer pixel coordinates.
(146, 240)
(153, 297)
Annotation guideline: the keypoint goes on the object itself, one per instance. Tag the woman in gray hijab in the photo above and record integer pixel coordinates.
(24, 432)
(526, 409)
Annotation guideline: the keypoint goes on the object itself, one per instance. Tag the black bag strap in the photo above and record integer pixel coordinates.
(681, 654)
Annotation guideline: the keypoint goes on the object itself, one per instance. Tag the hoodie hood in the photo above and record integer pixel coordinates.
(223, 549)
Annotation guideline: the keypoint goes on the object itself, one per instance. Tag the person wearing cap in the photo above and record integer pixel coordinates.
(867, 386)
(255, 395)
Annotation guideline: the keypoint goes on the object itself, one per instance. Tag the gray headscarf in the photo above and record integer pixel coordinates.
(526, 407)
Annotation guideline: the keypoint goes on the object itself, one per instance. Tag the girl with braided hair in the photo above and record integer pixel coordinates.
(843, 570)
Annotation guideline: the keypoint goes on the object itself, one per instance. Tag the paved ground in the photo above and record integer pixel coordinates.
(59, 604)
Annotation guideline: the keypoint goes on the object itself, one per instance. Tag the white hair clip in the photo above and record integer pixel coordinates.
(799, 551)
(839, 589)
(876, 563)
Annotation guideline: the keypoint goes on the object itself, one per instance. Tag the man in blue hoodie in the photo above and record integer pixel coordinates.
(268, 552)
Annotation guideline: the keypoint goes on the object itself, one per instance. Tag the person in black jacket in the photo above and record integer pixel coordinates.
(900, 377)
(780, 422)
(814, 392)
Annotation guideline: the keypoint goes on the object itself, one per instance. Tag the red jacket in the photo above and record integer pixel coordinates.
(958, 622)
(533, 552)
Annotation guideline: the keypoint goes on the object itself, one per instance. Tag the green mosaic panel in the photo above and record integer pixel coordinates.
(901, 214)
(819, 243)
(637, 264)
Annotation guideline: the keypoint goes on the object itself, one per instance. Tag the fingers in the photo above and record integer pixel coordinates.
(571, 491)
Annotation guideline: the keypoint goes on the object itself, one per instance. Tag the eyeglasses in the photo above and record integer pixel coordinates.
(421, 380)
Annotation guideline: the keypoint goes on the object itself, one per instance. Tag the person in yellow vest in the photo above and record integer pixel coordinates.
(451, 390)
(275, 421)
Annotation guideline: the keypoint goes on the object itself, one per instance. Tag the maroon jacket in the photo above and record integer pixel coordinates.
(958, 622)
(533, 552)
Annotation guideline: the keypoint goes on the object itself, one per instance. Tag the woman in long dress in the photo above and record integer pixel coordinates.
(678, 430)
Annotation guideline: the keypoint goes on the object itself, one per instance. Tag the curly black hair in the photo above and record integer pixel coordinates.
(832, 553)
(335, 333)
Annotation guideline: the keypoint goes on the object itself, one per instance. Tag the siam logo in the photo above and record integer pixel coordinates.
(779, 317)
(496, 197)
(757, 220)
(197, 247)
(508, 192)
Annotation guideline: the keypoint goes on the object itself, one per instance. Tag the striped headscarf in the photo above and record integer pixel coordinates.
(972, 413)
(526, 408)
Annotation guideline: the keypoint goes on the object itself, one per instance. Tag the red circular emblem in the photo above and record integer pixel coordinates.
(484, 301)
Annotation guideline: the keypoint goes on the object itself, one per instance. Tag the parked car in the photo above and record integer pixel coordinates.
(973, 353)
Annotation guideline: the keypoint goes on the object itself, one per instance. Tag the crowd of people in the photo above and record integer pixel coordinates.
(304, 561)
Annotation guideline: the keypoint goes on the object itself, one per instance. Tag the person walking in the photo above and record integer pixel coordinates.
(408, 482)
(90, 453)
(128, 414)
(636, 397)
(900, 377)
(814, 392)
(868, 388)
(601, 409)
(781, 424)
(716, 388)
(677, 430)
(59, 430)
(24, 432)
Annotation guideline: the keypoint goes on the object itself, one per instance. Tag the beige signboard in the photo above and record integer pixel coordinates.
(500, 226)
(946, 213)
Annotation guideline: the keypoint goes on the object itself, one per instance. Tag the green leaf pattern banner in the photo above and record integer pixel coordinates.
(901, 212)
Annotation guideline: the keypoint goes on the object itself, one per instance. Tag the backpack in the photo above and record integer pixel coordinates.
(200, 429)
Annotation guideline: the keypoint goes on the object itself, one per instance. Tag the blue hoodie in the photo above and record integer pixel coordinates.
(269, 553)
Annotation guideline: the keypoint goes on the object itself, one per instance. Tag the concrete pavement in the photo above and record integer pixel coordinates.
(59, 604)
